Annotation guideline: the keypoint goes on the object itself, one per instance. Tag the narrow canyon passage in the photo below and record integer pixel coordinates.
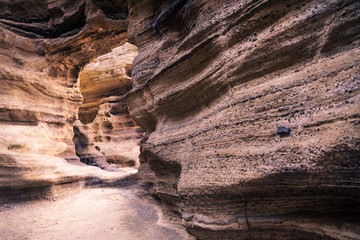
(239, 118)
(97, 205)
(95, 213)
(105, 134)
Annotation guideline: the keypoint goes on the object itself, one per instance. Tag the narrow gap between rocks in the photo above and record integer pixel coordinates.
(106, 136)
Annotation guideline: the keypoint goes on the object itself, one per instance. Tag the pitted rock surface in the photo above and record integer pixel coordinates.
(214, 80)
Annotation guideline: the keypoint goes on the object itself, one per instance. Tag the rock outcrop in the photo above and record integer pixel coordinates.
(252, 112)
(107, 133)
(251, 108)
(43, 46)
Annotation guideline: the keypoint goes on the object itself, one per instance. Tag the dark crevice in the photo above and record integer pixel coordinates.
(70, 25)
(246, 215)
(113, 9)
(86, 151)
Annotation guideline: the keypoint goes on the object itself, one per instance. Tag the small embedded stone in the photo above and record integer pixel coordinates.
(282, 130)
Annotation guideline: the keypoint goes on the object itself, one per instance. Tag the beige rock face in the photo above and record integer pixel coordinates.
(43, 45)
(108, 75)
(108, 134)
(252, 115)
(251, 108)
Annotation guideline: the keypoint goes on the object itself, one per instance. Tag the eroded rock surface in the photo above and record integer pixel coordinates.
(213, 82)
(251, 108)
(106, 133)
(43, 46)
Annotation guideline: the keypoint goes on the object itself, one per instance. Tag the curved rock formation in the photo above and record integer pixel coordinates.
(108, 134)
(43, 46)
(251, 108)
(252, 112)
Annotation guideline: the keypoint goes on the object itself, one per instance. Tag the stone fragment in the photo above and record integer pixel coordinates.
(282, 130)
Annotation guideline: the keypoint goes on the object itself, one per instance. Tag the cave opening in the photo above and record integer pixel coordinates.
(105, 135)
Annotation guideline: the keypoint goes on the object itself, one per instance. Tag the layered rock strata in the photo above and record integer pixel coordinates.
(252, 112)
(251, 108)
(106, 133)
(43, 46)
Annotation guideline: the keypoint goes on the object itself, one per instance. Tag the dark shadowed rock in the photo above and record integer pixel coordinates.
(282, 130)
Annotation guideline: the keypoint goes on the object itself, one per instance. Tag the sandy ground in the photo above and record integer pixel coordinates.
(101, 213)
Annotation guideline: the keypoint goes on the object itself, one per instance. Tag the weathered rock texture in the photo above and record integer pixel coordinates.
(212, 83)
(108, 135)
(251, 108)
(43, 46)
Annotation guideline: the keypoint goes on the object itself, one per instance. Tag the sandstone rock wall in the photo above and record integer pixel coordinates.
(252, 114)
(43, 46)
(251, 107)
(109, 134)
